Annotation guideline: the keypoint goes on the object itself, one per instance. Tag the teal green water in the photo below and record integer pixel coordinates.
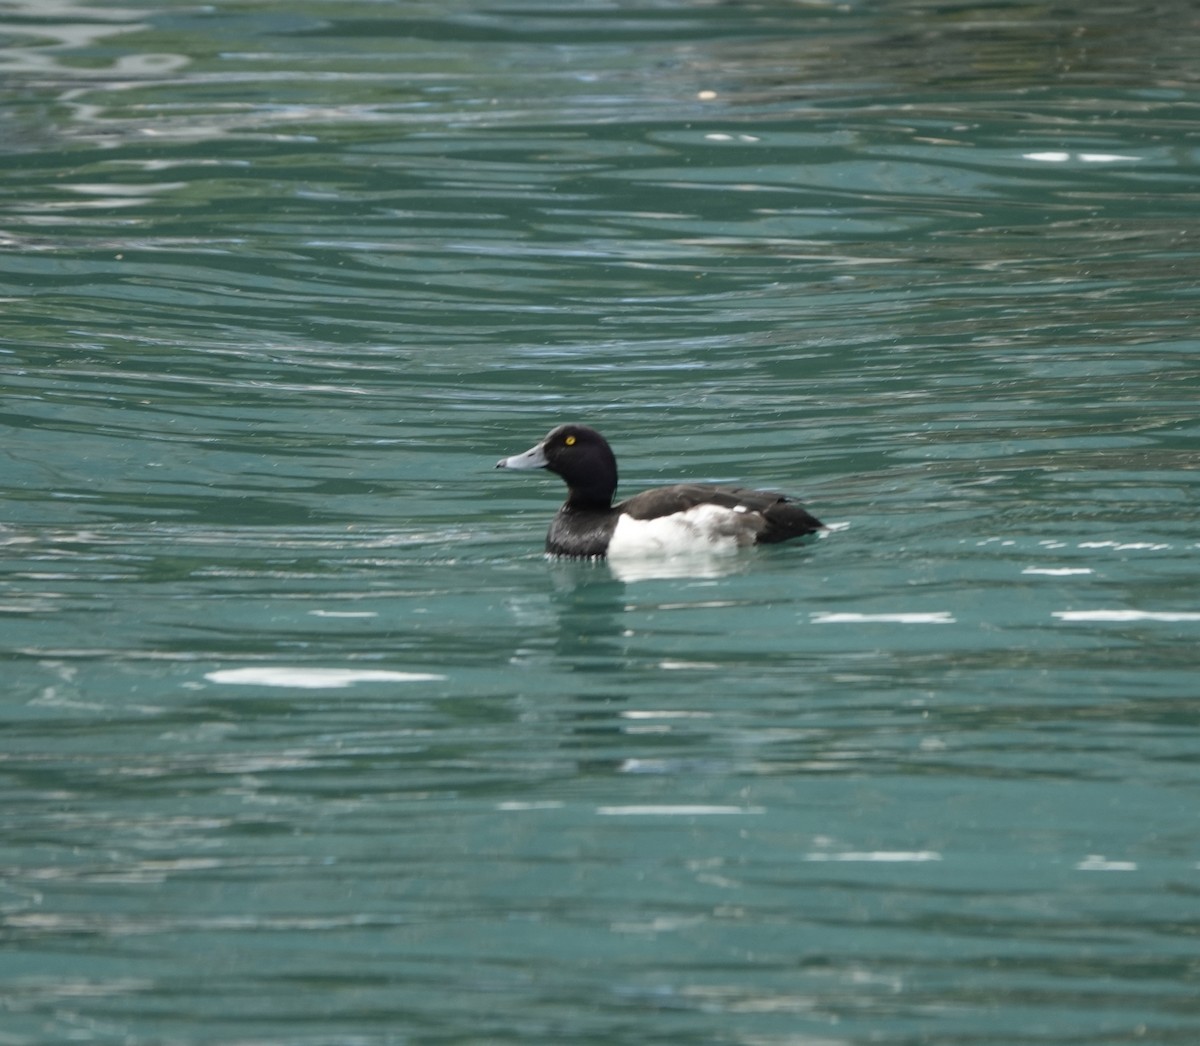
(304, 740)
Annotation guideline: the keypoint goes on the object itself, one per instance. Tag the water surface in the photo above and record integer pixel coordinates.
(307, 742)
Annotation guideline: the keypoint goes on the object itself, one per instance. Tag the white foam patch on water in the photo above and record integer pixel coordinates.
(880, 856)
(934, 617)
(1064, 157)
(313, 678)
(690, 810)
(1128, 546)
(343, 613)
(663, 713)
(1127, 615)
(1099, 863)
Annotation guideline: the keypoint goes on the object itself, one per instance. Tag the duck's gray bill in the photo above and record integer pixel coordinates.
(533, 458)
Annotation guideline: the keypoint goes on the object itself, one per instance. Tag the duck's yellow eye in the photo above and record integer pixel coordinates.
(569, 441)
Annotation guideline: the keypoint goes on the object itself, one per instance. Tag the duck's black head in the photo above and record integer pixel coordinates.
(581, 456)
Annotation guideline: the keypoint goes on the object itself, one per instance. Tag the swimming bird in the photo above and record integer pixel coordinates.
(686, 517)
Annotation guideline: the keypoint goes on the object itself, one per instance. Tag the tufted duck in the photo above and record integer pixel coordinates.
(666, 520)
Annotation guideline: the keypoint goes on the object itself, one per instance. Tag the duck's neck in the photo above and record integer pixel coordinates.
(590, 499)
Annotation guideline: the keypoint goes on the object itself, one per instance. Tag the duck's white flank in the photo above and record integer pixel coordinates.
(704, 528)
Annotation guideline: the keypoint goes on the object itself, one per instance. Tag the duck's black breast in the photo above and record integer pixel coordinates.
(581, 532)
